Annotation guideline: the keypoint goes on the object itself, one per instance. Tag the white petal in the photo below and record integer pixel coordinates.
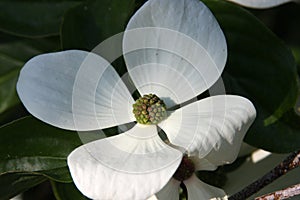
(153, 197)
(203, 164)
(215, 124)
(260, 3)
(199, 190)
(174, 48)
(74, 90)
(170, 191)
(259, 155)
(132, 165)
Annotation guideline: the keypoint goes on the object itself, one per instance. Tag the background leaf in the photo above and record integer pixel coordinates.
(89, 23)
(262, 69)
(65, 191)
(31, 146)
(12, 184)
(33, 18)
(14, 52)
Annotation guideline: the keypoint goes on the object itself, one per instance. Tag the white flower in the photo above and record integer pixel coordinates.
(196, 189)
(261, 3)
(172, 48)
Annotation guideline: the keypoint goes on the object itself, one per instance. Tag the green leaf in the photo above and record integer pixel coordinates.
(261, 68)
(60, 174)
(12, 184)
(14, 52)
(8, 95)
(296, 53)
(89, 23)
(33, 18)
(12, 114)
(29, 145)
(289, 126)
(63, 191)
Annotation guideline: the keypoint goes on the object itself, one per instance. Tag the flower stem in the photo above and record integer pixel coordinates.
(291, 162)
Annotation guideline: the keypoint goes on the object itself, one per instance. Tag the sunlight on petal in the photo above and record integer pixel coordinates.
(74, 90)
(259, 155)
(152, 198)
(213, 127)
(200, 190)
(174, 48)
(132, 165)
(260, 3)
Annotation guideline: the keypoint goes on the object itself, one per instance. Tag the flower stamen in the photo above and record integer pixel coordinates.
(149, 109)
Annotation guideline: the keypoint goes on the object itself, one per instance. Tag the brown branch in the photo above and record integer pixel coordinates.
(291, 162)
(282, 194)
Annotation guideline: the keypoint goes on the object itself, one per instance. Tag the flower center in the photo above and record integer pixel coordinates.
(149, 109)
(185, 169)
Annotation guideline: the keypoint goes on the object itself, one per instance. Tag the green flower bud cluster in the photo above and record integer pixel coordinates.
(149, 109)
(185, 170)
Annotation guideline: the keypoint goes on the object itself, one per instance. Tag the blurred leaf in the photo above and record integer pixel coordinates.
(60, 174)
(64, 191)
(12, 184)
(296, 53)
(8, 95)
(262, 69)
(289, 126)
(29, 145)
(91, 22)
(12, 114)
(33, 18)
(15, 49)
(14, 52)
(283, 21)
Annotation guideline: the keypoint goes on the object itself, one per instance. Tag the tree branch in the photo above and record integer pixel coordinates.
(291, 162)
(282, 194)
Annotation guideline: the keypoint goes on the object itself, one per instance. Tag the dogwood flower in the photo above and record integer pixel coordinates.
(262, 3)
(196, 189)
(174, 50)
